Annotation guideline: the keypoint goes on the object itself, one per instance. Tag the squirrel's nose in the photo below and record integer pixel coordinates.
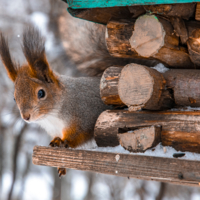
(26, 116)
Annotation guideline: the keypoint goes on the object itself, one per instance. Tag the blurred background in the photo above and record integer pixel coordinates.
(75, 48)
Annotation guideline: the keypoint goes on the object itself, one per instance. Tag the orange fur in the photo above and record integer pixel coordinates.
(73, 137)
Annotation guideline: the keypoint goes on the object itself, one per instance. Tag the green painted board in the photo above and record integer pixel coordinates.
(112, 3)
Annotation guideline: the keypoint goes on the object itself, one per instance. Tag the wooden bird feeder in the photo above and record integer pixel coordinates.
(168, 32)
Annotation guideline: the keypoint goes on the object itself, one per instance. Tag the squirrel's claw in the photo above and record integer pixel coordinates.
(65, 144)
(56, 142)
(61, 172)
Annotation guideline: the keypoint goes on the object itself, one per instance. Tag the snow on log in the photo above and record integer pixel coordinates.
(150, 37)
(180, 129)
(140, 139)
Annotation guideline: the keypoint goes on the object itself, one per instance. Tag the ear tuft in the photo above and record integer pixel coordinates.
(33, 45)
(9, 64)
(34, 51)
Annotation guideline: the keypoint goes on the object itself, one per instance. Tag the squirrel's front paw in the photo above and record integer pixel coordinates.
(61, 172)
(56, 142)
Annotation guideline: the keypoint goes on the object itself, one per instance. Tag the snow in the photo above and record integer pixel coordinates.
(79, 183)
(40, 20)
(188, 108)
(41, 188)
(160, 68)
(158, 151)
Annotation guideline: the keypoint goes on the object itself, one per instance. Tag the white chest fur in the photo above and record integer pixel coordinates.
(53, 125)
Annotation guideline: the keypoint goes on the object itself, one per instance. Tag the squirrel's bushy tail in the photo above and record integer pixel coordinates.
(85, 44)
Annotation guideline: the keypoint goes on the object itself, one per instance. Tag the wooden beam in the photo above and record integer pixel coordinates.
(171, 170)
(101, 15)
(113, 3)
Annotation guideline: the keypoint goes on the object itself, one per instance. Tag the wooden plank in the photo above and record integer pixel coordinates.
(171, 170)
(197, 14)
(112, 3)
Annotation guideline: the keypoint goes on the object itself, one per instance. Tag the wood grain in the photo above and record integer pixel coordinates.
(185, 85)
(141, 86)
(102, 15)
(169, 170)
(109, 86)
(180, 129)
(140, 139)
(184, 11)
(180, 29)
(197, 14)
(118, 34)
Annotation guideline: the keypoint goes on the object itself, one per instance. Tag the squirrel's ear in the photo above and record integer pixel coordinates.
(10, 66)
(34, 51)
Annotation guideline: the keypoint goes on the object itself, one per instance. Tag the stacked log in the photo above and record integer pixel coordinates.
(139, 87)
(179, 129)
(164, 33)
(142, 87)
(150, 37)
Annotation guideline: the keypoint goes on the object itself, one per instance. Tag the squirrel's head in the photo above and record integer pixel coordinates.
(37, 88)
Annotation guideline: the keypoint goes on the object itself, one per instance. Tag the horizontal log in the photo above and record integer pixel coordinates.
(137, 85)
(103, 15)
(184, 84)
(182, 10)
(148, 37)
(171, 170)
(181, 130)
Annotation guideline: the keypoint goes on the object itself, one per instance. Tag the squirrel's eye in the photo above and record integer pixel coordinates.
(41, 94)
(14, 99)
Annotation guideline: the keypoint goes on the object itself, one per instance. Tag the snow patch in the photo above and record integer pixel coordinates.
(157, 151)
(160, 68)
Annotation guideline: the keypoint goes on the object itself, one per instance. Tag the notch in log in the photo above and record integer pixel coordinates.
(141, 139)
(179, 129)
(148, 37)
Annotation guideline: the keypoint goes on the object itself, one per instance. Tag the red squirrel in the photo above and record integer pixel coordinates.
(67, 108)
